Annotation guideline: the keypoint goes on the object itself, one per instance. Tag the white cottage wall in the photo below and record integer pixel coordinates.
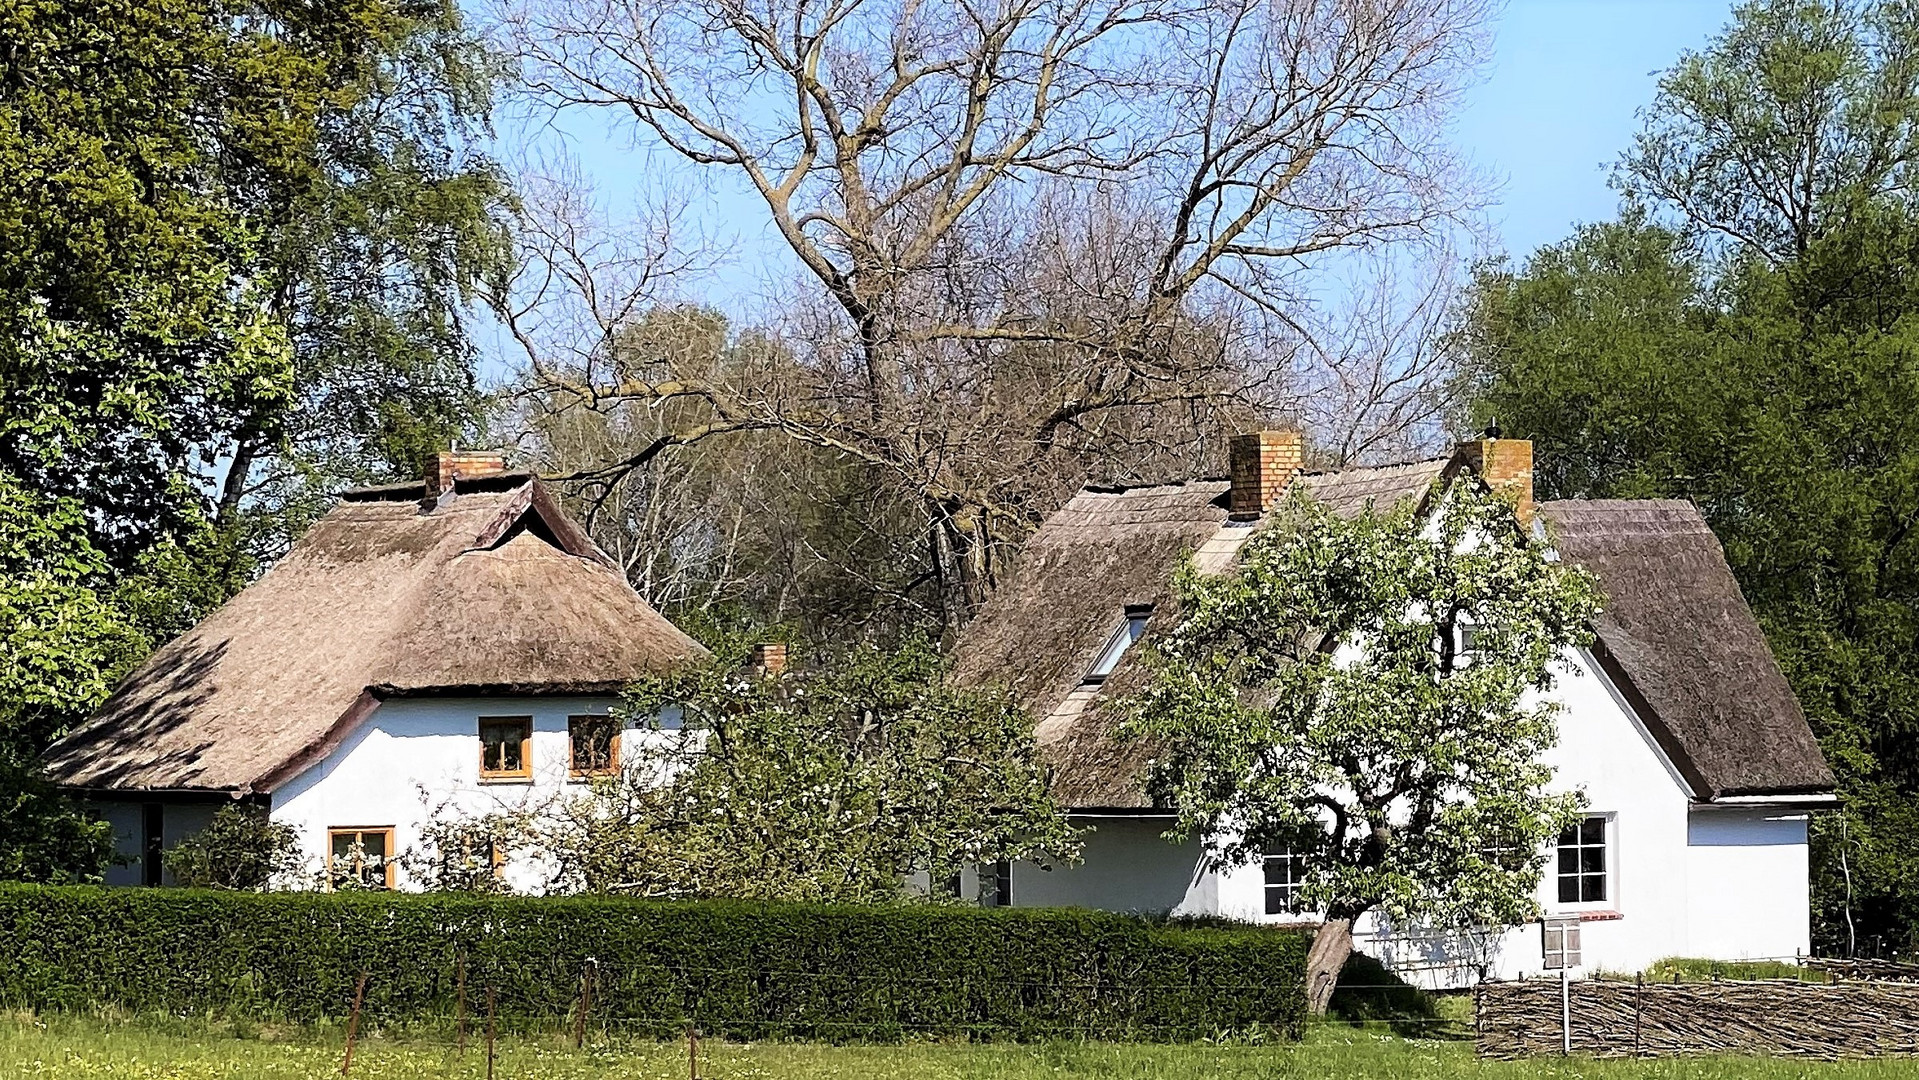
(1127, 867)
(419, 758)
(1749, 869)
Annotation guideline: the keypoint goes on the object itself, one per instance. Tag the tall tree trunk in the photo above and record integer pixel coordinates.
(1331, 946)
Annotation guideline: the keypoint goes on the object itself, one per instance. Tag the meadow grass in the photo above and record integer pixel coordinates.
(160, 1049)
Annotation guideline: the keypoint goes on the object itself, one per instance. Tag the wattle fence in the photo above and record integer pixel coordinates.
(1771, 1017)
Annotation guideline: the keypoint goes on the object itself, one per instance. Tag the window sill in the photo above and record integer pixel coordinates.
(513, 779)
(589, 777)
(1585, 915)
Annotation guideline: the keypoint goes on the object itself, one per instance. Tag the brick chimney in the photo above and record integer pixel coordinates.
(1263, 463)
(1507, 467)
(452, 466)
(769, 657)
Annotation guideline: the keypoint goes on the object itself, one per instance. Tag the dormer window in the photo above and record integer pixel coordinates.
(1129, 631)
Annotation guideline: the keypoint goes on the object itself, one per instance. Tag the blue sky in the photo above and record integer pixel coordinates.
(1556, 108)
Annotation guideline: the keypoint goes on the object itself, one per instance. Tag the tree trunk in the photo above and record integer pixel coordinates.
(1331, 946)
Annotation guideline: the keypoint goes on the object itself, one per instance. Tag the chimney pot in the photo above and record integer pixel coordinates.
(1263, 463)
(769, 657)
(1506, 465)
(451, 466)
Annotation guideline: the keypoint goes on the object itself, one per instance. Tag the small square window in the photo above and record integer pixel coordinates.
(1285, 873)
(593, 745)
(360, 858)
(506, 747)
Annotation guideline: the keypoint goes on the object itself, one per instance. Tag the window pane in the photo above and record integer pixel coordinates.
(342, 845)
(1569, 860)
(1569, 836)
(1592, 831)
(1592, 860)
(374, 844)
(1593, 887)
(1569, 890)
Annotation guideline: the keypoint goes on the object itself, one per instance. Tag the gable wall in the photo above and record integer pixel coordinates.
(417, 758)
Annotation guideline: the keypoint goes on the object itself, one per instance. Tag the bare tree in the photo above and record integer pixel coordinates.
(1044, 229)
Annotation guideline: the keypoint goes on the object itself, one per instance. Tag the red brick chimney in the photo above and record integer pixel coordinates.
(1263, 463)
(769, 657)
(452, 466)
(1507, 467)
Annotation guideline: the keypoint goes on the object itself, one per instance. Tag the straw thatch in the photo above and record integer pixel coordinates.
(1106, 550)
(1677, 637)
(490, 589)
(1680, 643)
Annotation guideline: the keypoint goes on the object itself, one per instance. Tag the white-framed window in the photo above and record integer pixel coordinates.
(1285, 873)
(1109, 655)
(1561, 942)
(1582, 863)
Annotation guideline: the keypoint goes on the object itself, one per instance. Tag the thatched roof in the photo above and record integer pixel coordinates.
(1678, 634)
(488, 589)
(1679, 641)
(1105, 550)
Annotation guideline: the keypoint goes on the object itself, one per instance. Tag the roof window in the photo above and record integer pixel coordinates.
(1116, 646)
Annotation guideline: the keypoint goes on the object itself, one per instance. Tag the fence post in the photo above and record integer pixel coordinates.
(1638, 1009)
(492, 999)
(459, 1002)
(692, 1052)
(586, 1001)
(353, 1022)
(1565, 1013)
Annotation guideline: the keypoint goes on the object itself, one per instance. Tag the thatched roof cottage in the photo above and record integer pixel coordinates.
(1698, 764)
(452, 645)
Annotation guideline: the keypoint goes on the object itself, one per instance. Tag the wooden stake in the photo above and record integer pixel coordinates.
(586, 1002)
(353, 1022)
(491, 999)
(459, 1002)
(692, 1052)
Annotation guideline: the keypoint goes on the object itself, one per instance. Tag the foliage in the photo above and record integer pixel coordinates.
(464, 854)
(837, 783)
(1366, 691)
(240, 848)
(1797, 118)
(1773, 386)
(737, 970)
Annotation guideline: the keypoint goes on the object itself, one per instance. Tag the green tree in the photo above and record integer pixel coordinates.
(836, 784)
(235, 236)
(1798, 117)
(1365, 691)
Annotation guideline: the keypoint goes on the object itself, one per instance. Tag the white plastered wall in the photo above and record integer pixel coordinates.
(419, 758)
(1683, 880)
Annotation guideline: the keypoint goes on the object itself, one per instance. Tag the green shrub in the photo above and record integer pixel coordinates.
(745, 970)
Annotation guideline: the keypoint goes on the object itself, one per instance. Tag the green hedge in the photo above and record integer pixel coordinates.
(732, 969)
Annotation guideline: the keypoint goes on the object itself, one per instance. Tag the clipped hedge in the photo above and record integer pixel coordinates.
(733, 969)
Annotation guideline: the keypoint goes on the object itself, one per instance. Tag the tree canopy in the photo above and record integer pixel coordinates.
(1365, 692)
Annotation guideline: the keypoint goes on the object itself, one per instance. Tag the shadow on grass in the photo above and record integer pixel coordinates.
(1368, 994)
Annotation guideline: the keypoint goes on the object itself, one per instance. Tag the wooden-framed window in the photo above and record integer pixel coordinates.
(1561, 942)
(360, 858)
(1581, 870)
(593, 745)
(1285, 873)
(506, 747)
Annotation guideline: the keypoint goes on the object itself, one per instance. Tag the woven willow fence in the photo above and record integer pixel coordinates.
(1774, 1017)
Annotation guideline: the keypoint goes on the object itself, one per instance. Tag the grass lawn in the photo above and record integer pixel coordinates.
(63, 1046)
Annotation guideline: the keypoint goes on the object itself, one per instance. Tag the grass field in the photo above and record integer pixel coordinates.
(62, 1046)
